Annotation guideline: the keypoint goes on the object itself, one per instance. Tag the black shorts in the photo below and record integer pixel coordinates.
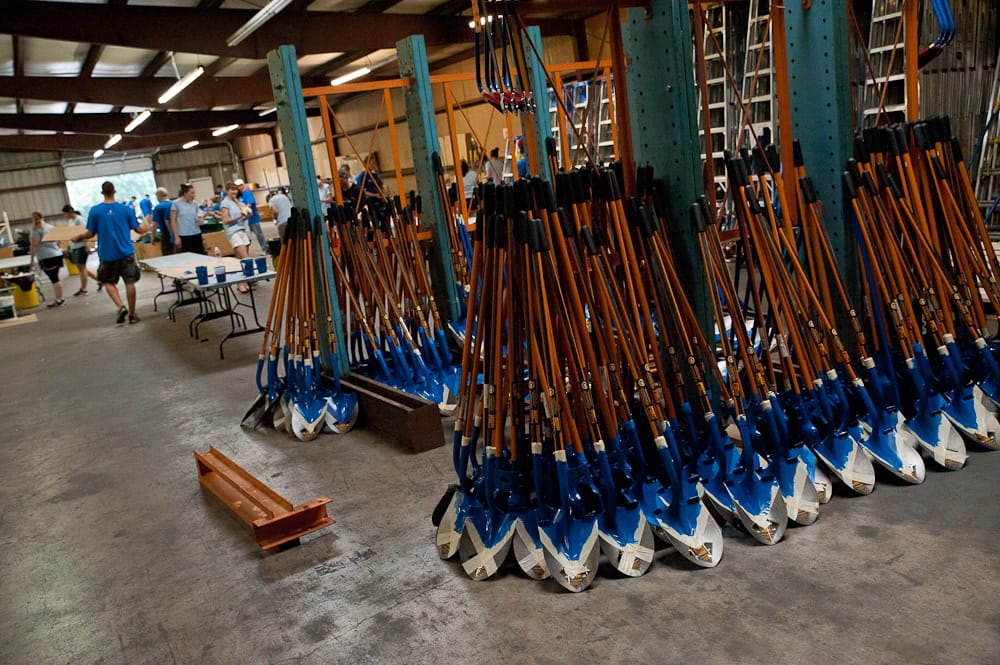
(166, 244)
(51, 267)
(78, 256)
(110, 271)
(193, 244)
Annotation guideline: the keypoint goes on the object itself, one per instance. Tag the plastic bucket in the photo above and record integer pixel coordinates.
(25, 295)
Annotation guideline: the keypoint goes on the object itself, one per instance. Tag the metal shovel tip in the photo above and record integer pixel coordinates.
(528, 549)
(823, 484)
(307, 421)
(802, 502)
(572, 565)
(767, 526)
(631, 553)
(945, 445)
(255, 414)
(451, 526)
(852, 465)
(340, 417)
(482, 557)
(908, 463)
(702, 547)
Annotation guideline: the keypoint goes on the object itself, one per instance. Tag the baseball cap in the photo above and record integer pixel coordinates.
(238, 182)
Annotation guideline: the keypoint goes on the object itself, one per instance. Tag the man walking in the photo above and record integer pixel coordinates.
(112, 221)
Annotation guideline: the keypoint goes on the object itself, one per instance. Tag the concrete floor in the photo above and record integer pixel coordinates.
(111, 552)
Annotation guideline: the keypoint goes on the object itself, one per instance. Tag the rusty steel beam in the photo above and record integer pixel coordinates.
(205, 92)
(160, 122)
(196, 30)
(91, 142)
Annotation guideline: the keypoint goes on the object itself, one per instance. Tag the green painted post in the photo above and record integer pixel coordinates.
(819, 78)
(541, 121)
(422, 124)
(287, 86)
(663, 109)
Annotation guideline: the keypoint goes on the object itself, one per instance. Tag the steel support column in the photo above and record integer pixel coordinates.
(422, 123)
(820, 79)
(284, 71)
(541, 122)
(663, 104)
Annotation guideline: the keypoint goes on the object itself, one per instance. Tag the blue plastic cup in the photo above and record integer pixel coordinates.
(247, 265)
(202, 272)
(261, 264)
(220, 273)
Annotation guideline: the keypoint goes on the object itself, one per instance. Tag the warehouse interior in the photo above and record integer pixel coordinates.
(124, 545)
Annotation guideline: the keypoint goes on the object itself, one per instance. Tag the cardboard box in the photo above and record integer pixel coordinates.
(147, 250)
(217, 239)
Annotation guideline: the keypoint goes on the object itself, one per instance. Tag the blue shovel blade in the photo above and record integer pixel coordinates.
(626, 539)
(759, 505)
(571, 550)
(843, 455)
(449, 532)
(889, 446)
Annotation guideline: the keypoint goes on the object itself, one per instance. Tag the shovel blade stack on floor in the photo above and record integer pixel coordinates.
(396, 332)
(293, 394)
(594, 415)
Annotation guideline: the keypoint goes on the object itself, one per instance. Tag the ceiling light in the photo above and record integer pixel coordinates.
(98, 153)
(268, 111)
(188, 79)
(112, 141)
(356, 74)
(138, 120)
(265, 14)
(189, 145)
(222, 130)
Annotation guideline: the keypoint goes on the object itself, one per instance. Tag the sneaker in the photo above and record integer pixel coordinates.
(122, 313)
(81, 292)
(100, 286)
(133, 318)
(56, 303)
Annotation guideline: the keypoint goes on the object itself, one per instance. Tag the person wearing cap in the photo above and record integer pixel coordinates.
(184, 220)
(113, 221)
(78, 250)
(253, 221)
(161, 218)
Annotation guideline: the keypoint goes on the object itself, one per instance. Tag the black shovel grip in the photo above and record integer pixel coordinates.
(488, 195)
(565, 223)
(869, 183)
(797, 160)
(922, 136)
(697, 218)
(752, 201)
(899, 131)
(860, 149)
(522, 195)
(956, 150)
(551, 146)
(521, 232)
(896, 187)
(564, 189)
(437, 164)
(706, 209)
(588, 241)
(661, 201)
(808, 189)
(939, 171)
(850, 185)
(773, 158)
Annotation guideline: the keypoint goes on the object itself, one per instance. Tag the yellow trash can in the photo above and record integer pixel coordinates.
(24, 292)
(70, 266)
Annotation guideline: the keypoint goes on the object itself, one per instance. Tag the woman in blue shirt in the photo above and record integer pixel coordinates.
(184, 220)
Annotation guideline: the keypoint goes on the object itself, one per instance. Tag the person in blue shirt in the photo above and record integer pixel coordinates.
(246, 196)
(111, 222)
(522, 160)
(161, 218)
(146, 208)
(372, 193)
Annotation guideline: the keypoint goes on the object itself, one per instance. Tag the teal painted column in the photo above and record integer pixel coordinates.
(663, 104)
(287, 86)
(539, 86)
(819, 78)
(422, 124)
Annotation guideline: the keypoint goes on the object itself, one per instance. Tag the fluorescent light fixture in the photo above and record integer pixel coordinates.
(112, 141)
(268, 111)
(98, 153)
(184, 82)
(138, 120)
(265, 14)
(356, 74)
(189, 145)
(222, 130)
